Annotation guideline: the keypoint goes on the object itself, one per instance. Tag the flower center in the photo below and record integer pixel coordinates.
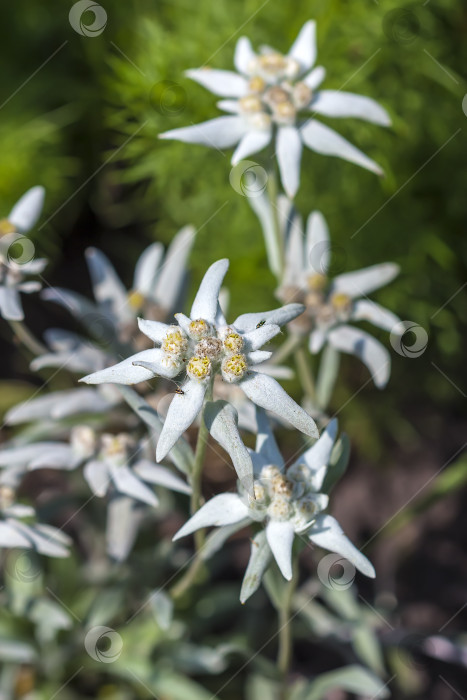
(234, 367)
(199, 368)
(136, 300)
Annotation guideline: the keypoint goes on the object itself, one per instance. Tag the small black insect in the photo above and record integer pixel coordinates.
(179, 391)
(261, 323)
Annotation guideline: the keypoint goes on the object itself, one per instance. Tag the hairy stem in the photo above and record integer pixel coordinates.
(188, 578)
(284, 656)
(197, 473)
(272, 191)
(305, 373)
(26, 338)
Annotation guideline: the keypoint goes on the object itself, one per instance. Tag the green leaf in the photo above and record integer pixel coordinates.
(354, 679)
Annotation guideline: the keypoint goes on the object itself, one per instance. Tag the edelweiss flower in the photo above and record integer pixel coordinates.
(331, 304)
(14, 532)
(272, 92)
(157, 285)
(288, 502)
(201, 347)
(21, 219)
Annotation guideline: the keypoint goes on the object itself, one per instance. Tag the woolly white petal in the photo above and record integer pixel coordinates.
(260, 558)
(364, 310)
(244, 54)
(317, 339)
(224, 83)
(126, 372)
(224, 509)
(221, 419)
(335, 103)
(222, 132)
(11, 537)
(257, 357)
(264, 391)
(318, 246)
(328, 534)
(207, 297)
(146, 268)
(363, 282)
(27, 209)
(107, 286)
(123, 520)
(281, 316)
(322, 139)
(318, 456)
(266, 444)
(259, 336)
(155, 330)
(182, 412)
(97, 476)
(304, 47)
(10, 304)
(232, 106)
(289, 155)
(127, 483)
(280, 535)
(253, 141)
(161, 476)
(173, 270)
(370, 351)
(315, 77)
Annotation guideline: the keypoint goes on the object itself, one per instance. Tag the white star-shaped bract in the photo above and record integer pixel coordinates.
(203, 345)
(288, 502)
(276, 97)
(332, 303)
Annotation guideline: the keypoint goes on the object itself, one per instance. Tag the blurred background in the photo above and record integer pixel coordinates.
(80, 115)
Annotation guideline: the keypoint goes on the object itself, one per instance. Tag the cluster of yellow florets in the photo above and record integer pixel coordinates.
(115, 447)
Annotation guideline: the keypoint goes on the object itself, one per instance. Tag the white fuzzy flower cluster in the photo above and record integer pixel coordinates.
(267, 97)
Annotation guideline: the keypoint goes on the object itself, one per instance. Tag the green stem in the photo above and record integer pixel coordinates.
(284, 656)
(286, 349)
(27, 338)
(197, 473)
(305, 373)
(272, 191)
(188, 578)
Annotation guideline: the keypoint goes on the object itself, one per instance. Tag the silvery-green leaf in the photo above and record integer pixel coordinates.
(182, 412)
(266, 444)
(108, 289)
(354, 679)
(370, 351)
(327, 376)
(207, 296)
(181, 454)
(289, 156)
(260, 558)
(222, 132)
(44, 539)
(162, 608)
(217, 538)
(58, 456)
(315, 77)
(280, 536)
(252, 142)
(123, 521)
(16, 652)
(224, 83)
(221, 420)
(127, 372)
(128, 484)
(304, 47)
(10, 304)
(161, 476)
(328, 534)
(146, 269)
(24, 454)
(365, 310)
(224, 509)
(50, 617)
(244, 54)
(155, 330)
(318, 245)
(97, 476)
(80, 307)
(336, 103)
(362, 282)
(27, 209)
(264, 391)
(172, 272)
(322, 139)
(280, 316)
(261, 205)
